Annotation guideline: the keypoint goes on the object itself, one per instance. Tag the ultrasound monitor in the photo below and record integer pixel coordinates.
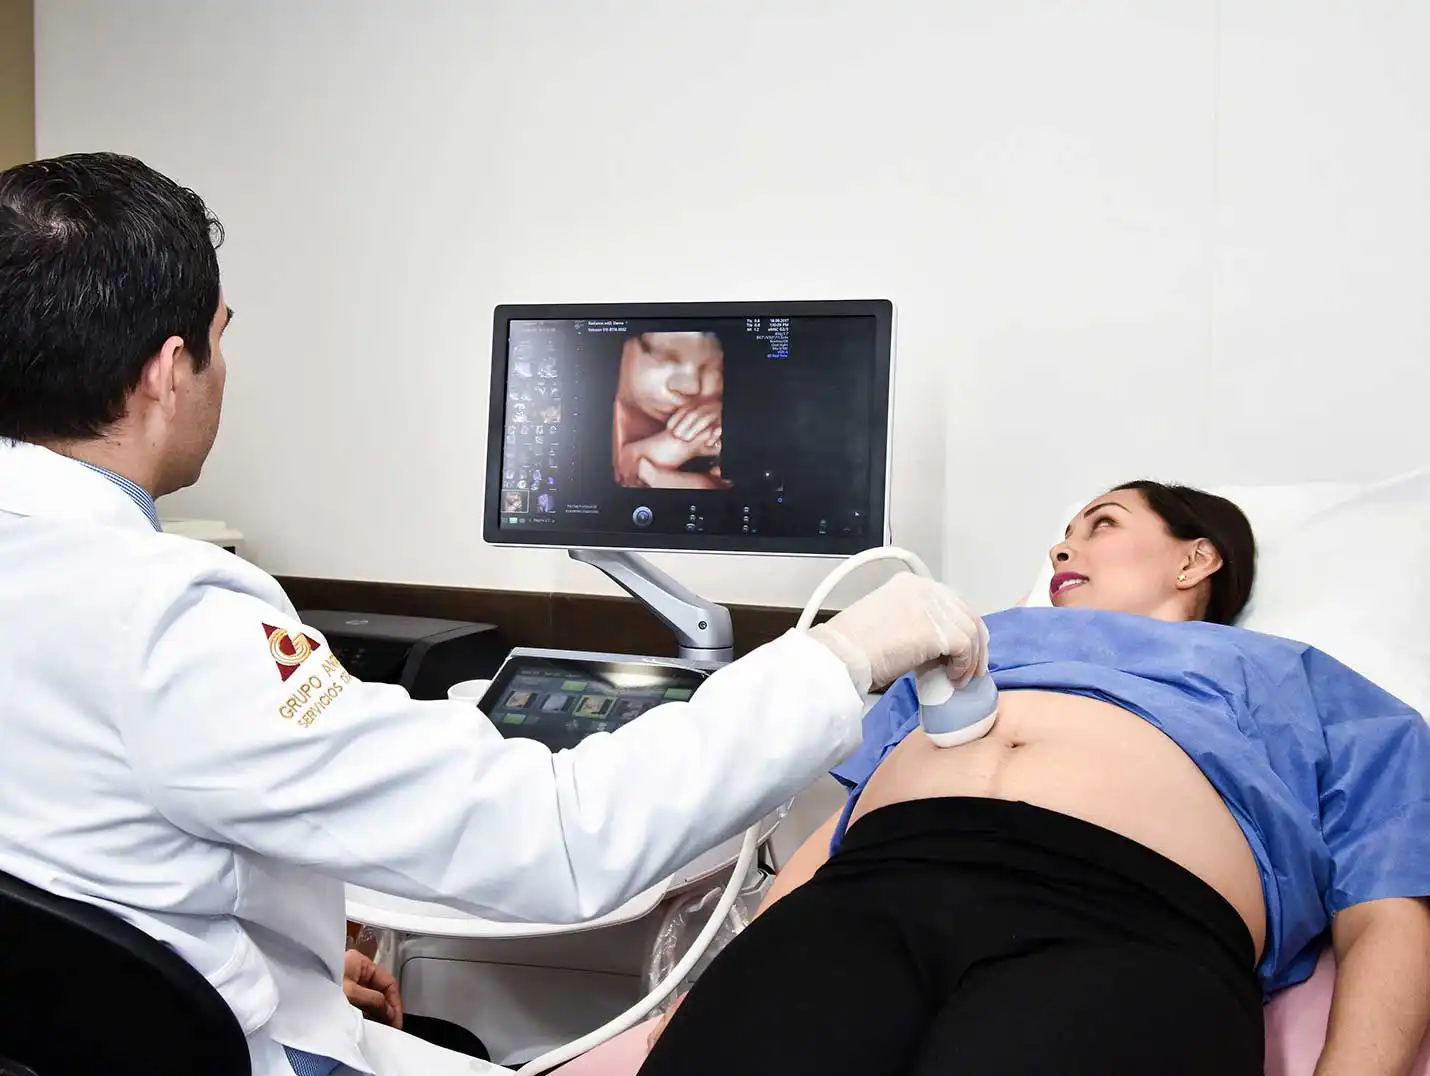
(721, 427)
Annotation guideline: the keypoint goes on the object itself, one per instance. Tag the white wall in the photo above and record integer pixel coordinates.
(1185, 239)
(1203, 251)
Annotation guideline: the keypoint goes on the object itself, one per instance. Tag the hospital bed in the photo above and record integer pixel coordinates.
(1344, 567)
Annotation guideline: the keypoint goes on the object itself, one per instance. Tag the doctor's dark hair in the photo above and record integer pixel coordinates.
(102, 259)
(1191, 514)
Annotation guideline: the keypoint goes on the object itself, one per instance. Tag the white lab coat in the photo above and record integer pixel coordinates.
(156, 762)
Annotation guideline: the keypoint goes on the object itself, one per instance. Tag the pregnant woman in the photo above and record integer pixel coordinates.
(1164, 822)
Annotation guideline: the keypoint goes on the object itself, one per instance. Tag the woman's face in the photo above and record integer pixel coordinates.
(1118, 556)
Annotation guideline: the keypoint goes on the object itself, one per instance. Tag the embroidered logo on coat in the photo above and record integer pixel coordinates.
(288, 651)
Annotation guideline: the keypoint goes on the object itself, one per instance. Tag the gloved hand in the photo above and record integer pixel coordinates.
(903, 625)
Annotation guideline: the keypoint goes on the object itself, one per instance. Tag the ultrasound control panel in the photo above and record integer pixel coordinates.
(559, 697)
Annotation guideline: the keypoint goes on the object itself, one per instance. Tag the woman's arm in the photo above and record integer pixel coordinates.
(1381, 1006)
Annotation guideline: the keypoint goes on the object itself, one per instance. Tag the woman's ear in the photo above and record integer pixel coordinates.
(1201, 562)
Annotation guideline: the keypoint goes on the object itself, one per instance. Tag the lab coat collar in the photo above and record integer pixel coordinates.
(37, 482)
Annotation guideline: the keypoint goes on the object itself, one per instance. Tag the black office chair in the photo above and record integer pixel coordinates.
(83, 993)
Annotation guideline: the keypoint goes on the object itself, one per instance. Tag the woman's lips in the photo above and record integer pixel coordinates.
(1064, 582)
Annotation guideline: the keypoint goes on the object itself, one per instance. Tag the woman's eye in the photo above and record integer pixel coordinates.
(1100, 520)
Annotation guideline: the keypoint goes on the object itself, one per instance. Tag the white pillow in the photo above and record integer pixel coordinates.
(1343, 567)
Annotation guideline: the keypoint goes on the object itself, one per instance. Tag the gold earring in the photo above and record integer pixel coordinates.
(1182, 578)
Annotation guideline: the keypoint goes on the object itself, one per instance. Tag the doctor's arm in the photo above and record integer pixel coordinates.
(303, 763)
(371, 988)
(1380, 1010)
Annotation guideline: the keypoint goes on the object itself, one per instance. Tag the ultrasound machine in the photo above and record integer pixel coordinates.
(615, 430)
(801, 395)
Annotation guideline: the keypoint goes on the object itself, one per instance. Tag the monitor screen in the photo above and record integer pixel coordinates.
(561, 701)
(730, 427)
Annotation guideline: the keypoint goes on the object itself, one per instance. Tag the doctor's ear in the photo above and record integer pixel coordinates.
(1202, 561)
(160, 377)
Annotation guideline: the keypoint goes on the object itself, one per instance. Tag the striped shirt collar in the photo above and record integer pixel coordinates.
(136, 493)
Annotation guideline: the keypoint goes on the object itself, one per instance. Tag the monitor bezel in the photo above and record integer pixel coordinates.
(881, 310)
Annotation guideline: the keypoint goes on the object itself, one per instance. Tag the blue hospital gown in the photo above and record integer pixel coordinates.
(1327, 775)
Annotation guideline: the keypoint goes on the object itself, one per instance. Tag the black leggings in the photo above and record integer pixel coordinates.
(974, 937)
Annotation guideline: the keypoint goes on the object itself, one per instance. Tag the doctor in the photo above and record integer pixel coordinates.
(180, 749)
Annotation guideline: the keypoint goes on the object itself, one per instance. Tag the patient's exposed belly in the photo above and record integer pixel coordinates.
(1094, 761)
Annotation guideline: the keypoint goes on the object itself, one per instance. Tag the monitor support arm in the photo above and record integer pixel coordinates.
(702, 628)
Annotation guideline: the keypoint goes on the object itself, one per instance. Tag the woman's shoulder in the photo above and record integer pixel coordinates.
(1024, 635)
(1023, 617)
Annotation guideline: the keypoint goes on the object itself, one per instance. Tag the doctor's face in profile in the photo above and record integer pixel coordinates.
(662, 373)
(197, 409)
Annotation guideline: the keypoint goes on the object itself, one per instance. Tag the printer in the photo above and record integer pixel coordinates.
(423, 655)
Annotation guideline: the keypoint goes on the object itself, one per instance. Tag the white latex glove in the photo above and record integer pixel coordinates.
(905, 624)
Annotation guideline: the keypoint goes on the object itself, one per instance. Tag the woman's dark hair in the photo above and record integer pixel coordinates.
(1191, 514)
(102, 259)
